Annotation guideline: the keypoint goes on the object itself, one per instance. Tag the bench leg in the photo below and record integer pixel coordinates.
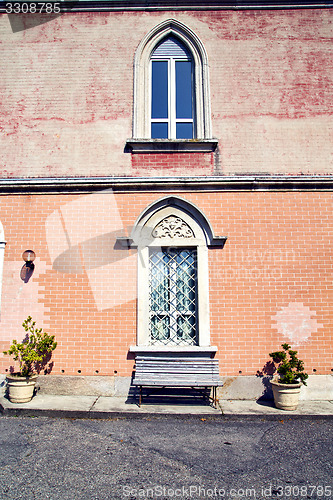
(214, 396)
(140, 396)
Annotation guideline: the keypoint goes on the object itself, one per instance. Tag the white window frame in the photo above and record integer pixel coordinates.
(172, 120)
(2, 256)
(146, 234)
(144, 244)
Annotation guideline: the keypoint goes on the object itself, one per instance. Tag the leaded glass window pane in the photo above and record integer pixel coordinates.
(173, 296)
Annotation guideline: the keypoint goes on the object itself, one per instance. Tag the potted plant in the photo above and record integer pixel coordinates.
(32, 354)
(287, 385)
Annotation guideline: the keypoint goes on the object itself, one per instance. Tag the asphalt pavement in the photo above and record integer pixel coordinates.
(154, 457)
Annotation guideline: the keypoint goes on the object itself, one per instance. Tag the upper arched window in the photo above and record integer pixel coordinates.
(172, 98)
(171, 87)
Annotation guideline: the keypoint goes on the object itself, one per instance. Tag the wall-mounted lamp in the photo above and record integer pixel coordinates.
(28, 268)
(29, 256)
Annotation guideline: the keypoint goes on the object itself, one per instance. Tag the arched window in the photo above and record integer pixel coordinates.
(2, 255)
(171, 86)
(172, 237)
(172, 91)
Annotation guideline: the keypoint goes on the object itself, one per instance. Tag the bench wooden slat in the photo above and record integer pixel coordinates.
(176, 371)
(176, 363)
(178, 360)
(184, 376)
(177, 383)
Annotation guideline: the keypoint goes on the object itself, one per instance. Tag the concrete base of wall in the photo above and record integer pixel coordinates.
(319, 387)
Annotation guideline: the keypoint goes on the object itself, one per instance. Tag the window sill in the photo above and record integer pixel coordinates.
(171, 145)
(179, 349)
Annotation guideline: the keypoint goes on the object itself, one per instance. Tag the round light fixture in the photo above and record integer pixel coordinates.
(29, 256)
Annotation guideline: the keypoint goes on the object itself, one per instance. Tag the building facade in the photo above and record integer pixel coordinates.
(170, 164)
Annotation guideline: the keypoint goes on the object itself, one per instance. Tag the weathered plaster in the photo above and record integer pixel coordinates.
(296, 322)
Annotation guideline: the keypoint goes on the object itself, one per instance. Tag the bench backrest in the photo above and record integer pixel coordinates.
(176, 371)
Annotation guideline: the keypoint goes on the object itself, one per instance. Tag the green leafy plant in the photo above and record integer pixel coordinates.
(290, 368)
(32, 352)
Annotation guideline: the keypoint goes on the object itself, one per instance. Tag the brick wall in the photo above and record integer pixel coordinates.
(271, 283)
(173, 163)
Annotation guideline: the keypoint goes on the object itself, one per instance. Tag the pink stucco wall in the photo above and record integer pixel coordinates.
(67, 92)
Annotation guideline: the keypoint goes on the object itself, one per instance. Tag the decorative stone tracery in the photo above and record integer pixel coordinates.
(172, 227)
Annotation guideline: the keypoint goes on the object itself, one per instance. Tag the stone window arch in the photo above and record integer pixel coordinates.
(142, 78)
(172, 237)
(2, 256)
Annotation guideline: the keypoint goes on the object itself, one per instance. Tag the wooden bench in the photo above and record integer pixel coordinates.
(192, 372)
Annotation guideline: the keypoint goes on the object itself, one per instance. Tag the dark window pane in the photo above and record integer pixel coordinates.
(159, 104)
(183, 89)
(159, 130)
(184, 130)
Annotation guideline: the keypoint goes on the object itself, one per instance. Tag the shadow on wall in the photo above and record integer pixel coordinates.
(96, 252)
(266, 375)
(22, 22)
(46, 367)
(38, 14)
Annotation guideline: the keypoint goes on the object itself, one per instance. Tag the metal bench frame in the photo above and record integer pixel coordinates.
(167, 371)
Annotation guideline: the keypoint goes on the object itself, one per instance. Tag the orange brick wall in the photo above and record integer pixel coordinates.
(275, 270)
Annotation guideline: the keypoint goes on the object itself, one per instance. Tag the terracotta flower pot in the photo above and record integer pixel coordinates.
(20, 389)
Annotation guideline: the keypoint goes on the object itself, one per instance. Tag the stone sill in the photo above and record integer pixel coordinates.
(171, 145)
(181, 349)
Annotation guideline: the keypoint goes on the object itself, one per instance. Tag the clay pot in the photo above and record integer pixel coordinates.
(20, 389)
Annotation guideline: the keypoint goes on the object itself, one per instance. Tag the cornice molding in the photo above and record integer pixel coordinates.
(78, 185)
(176, 5)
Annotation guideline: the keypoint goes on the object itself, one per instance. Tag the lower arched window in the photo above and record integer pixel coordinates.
(173, 296)
(2, 255)
(172, 237)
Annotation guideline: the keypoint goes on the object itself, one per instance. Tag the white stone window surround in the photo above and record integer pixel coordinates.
(202, 272)
(201, 238)
(141, 140)
(2, 256)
